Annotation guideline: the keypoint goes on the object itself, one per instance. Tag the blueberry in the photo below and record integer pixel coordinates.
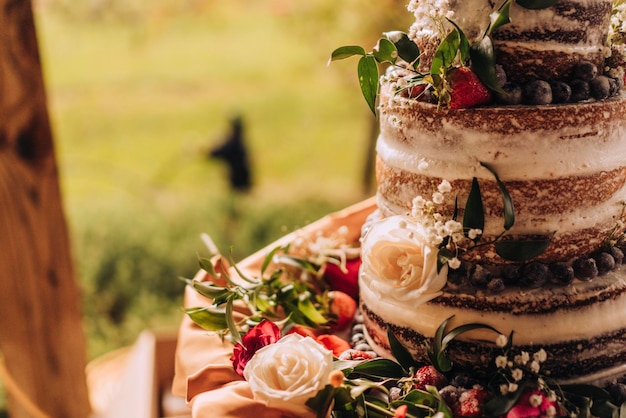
(500, 75)
(479, 276)
(585, 268)
(495, 285)
(562, 272)
(585, 70)
(580, 90)
(604, 262)
(511, 94)
(534, 275)
(618, 255)
(561, 92)
(600, 87)
(511, 273)
(614, 86)
(463, 380)
(538, 92)
(617, 392)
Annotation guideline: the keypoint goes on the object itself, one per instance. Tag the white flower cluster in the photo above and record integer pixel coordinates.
(430, 15)
(321, 247)
(437, 227)
(618, 19)
(516, 366)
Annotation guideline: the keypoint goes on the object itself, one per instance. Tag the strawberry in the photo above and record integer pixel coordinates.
(333, 343)
(428, 376)
(343, 308)
(471, 403)
(347, 281)
(302, 330)
(466, 89)
(355, 355)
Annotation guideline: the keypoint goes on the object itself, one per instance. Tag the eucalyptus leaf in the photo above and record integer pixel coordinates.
(536, 4)
(521, 250)
(348, 51)
(484, 63)
(474, 213)
(407, 49)
(208, 289)
(507, 201)
(230, 322)
(368, 80)
(385, 51)
(210, 319)
(401, 354)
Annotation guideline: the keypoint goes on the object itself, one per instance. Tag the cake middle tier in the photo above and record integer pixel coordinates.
(563, 166)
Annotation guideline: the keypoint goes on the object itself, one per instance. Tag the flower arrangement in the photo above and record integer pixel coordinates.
(287, 348)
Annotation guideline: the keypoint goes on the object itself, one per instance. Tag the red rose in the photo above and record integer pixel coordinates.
(346, 281)
(265, 333)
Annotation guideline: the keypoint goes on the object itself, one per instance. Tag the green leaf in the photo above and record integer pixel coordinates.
(344, 52)
(474, 214)
(210, 319)
(464, 46)
(268, 259)
(379, 367)
(507, 201)
(443, 256)
(442, 406)
(399, 351)
(209, 290)
(368, 80)
(521, 250)
(445, 53)
(309, 310)
(230, 322)
(207, 265)
(484, 63)
(385, 51)
(536, 4)
(322, 402)
(407, 49)
(499, 18)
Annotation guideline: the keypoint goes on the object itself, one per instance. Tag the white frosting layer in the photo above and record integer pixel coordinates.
(564, 325)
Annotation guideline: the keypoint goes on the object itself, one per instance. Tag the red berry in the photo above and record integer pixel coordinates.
(346, 281)
(467, 89)
(471, 403)
(428, 376)
(415, 91)
(355, 355)
(343, 308)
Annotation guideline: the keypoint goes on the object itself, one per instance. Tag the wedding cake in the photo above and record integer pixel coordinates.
(501, 176)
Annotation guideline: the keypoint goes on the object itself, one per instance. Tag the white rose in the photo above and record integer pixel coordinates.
(399, 264)
(289, 372)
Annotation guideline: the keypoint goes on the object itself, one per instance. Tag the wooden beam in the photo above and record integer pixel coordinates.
(41, 335)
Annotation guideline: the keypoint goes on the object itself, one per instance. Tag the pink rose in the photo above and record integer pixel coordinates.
(533, 403)
(263, 334)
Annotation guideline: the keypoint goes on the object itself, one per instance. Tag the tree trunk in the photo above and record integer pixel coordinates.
(41, 334)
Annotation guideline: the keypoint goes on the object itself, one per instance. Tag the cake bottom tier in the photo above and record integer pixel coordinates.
(581, 327)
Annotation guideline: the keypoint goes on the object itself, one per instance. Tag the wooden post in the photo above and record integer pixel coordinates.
(41, 334)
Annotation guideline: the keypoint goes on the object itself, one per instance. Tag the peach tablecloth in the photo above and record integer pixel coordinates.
(204, 374)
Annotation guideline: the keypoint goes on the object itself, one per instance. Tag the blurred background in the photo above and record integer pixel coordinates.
(141, 91)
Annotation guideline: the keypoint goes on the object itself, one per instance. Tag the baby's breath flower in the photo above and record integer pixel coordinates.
(535, 400)
(438, 198)
(454, 263)
(535, 367)
(504, 389)
(551, 411)
(513, 387)
(422, 165)
(474, 233)
(517, 374)
(444, 186)
(502, 340)
(523, 358)
(540, 356)
(336, 378)
(501, 362)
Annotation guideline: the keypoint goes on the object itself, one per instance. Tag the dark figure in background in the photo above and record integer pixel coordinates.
(233, 152)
